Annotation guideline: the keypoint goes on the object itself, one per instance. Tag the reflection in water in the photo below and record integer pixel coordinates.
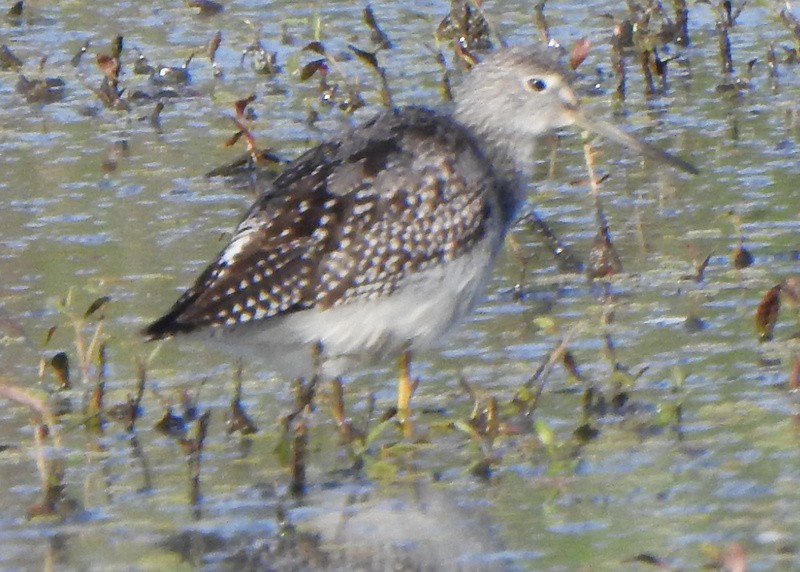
(358, 528)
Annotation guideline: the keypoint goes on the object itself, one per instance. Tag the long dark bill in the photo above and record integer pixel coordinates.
(615, 134)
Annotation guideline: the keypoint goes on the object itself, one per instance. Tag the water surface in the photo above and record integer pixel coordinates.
(678, 488)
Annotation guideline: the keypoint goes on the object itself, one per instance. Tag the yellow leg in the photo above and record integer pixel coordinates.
(405, 389)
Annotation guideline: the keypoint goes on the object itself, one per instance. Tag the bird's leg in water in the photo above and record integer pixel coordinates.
(405, 389)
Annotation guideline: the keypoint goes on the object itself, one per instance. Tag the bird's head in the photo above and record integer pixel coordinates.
(516, 95)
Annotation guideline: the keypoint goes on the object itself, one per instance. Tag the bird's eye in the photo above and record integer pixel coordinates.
(536, 84)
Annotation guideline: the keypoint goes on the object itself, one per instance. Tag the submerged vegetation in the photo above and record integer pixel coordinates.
(626, 398)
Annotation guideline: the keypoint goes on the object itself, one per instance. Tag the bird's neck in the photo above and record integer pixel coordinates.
(511, 159)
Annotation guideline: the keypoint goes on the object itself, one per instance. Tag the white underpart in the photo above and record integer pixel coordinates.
(414, 317)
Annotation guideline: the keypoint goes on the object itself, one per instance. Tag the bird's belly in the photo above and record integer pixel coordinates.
(415, 316)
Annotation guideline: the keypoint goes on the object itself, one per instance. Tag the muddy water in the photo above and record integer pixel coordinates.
(680, 488)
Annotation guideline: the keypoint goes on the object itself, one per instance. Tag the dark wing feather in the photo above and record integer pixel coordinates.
(347, 220)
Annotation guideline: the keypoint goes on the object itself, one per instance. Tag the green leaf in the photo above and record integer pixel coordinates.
(544, 432)
(382, 470)
(283, 450)
(678, 377)
(376, 432)
(622, 377)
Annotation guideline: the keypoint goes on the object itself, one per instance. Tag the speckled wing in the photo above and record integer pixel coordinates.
(348, 220)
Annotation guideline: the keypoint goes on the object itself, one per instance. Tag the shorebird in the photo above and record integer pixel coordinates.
(377, 242)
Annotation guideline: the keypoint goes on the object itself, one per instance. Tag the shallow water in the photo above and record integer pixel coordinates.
(678, 488)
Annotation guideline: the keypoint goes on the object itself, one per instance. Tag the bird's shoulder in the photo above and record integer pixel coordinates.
(390, 140)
